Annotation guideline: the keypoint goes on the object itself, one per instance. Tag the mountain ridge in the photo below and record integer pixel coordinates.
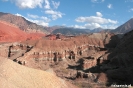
(22, 23)
(124, 28)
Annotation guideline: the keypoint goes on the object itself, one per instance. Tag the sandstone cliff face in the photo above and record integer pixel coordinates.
(71, 47)
(13, 75)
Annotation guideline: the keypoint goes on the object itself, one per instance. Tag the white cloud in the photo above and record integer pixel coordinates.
(78, 26)
(109, 6)
(38, 3)
(33, 16)
(46, 19)
(128, 0)
(103, 0)
(109, 26)
(55, 4)
(17, 14)
(55, 14)
(28, 3)
(50, 12)
(97, 1)
(63, 24)
(39, 20)
(99, 14)
(87, 26)
(47, 4)
(95, 19)
(92, 22)
(130, 10)
(92, 25)
(35, 3)
(94, 0)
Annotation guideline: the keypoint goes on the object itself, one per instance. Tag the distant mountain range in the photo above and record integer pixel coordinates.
(124, 28)
(31, 27)
(69, 31)
(75, 31)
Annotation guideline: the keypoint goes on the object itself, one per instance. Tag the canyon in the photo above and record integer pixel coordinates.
(67, 57)
(32, 58)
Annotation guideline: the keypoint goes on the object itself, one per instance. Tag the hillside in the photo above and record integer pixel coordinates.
(22, 23)
(13, 75)
(124, 28)
(11, 33)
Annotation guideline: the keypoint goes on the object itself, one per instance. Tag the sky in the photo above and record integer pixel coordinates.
(85, 14)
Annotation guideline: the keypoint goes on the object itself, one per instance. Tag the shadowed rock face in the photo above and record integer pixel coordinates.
(119, 69)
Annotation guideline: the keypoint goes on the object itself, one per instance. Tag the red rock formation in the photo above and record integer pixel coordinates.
(11, 33)
(51, 37)
(22, 23)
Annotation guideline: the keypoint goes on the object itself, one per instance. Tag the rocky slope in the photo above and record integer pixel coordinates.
(13, 75)
(124, 28)
(22, 23)
(11, 33)
(119, 69)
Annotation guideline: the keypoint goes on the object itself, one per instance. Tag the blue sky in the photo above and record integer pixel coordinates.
(72, 13)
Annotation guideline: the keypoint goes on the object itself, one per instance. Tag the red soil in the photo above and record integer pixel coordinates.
(11, 33)
(34, 36)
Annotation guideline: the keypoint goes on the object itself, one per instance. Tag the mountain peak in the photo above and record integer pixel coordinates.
(124, 28)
